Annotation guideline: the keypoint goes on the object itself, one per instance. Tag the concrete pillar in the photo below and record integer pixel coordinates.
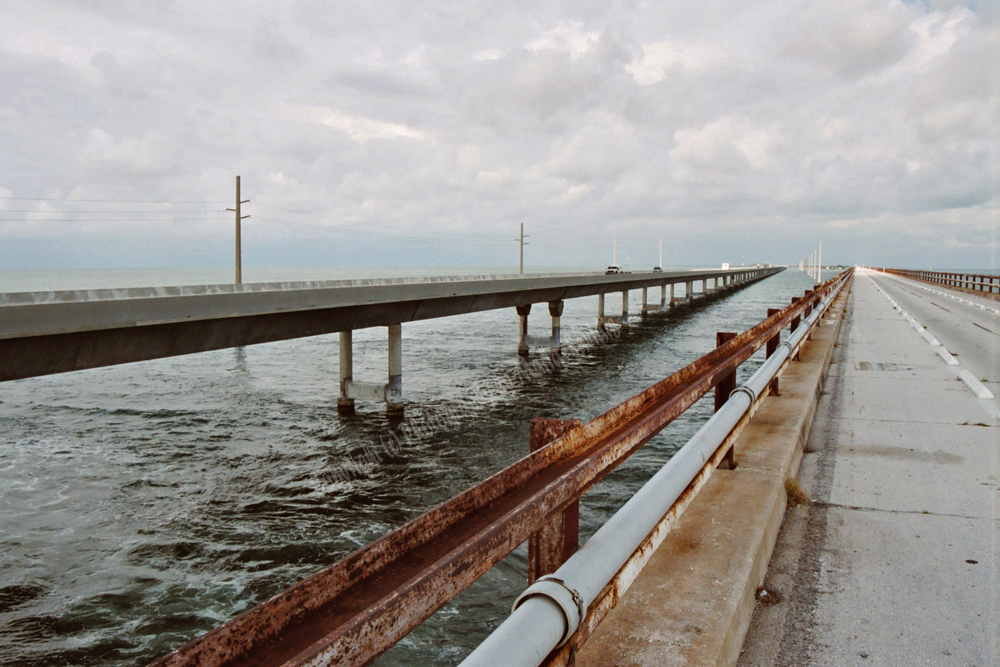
(555, 310)
(688, 289)
(345, 406)
(625, 309)
(394, 389)
(663, 296)
(522, 341)
(600, 311)
(671, 295)
(645, 295)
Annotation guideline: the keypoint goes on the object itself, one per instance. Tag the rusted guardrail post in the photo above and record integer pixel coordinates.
(808, 311)
(553, 543)
(725, 387)
(772, 347)
(795, 325)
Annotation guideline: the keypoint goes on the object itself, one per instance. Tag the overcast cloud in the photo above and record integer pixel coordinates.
(735, 131)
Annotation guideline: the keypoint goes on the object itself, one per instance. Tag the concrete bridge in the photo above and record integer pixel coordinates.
(884, 553)
(840, 506)
(54, 332)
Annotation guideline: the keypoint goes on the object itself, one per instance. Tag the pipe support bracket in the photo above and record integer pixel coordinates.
(568, 599)
(743, 389)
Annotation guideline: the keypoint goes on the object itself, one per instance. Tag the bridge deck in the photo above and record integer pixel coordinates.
(896, 561)
(53, 332)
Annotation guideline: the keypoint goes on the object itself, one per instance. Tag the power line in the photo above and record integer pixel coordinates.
(500, 239)
(394, 237)
(95, 211)
(367, 223)
(110, 201)
(118, 220)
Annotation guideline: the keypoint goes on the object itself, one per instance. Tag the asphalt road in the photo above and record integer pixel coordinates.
(895, 559)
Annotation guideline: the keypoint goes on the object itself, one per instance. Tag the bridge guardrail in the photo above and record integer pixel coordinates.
(973, 282)
(357, 608)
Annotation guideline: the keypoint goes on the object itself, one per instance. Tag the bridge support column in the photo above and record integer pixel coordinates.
(663, 296)
(625, 309)
(648, 307)
(345, 405)
(391, 392)
(556, 310)
(674, 299)
(689, 291)
(394, 389)
(522, 340)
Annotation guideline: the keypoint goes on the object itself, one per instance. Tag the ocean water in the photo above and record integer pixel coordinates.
(142, 505)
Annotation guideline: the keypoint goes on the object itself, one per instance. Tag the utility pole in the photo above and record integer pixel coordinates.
(819, 271)
(523, 236)
(239, 243)
(661, 254)
(614, 252)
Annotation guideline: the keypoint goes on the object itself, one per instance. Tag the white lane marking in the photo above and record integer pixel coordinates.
(930, 339)
(967, 377)
(975, 385)
(946, 355)
(995, 311)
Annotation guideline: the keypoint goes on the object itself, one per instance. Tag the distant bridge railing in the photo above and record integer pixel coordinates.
(354, 610)
(971, 282)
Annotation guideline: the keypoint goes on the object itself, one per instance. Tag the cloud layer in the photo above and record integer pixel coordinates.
(410, 133)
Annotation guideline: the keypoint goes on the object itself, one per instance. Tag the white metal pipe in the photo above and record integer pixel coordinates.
(534, 628)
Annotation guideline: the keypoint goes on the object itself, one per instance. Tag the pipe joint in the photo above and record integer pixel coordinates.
(743, 389)
(568, 600)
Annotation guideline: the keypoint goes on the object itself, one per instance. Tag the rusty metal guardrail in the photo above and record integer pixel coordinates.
(355, 609)
(559, 611)
(974, 282)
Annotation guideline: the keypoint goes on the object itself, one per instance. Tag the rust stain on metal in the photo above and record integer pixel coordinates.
(557, 540)
(352, 611)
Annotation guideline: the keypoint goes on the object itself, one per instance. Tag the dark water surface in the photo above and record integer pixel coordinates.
(145, 504)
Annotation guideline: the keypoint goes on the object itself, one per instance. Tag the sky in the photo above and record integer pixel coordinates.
(425, 133)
